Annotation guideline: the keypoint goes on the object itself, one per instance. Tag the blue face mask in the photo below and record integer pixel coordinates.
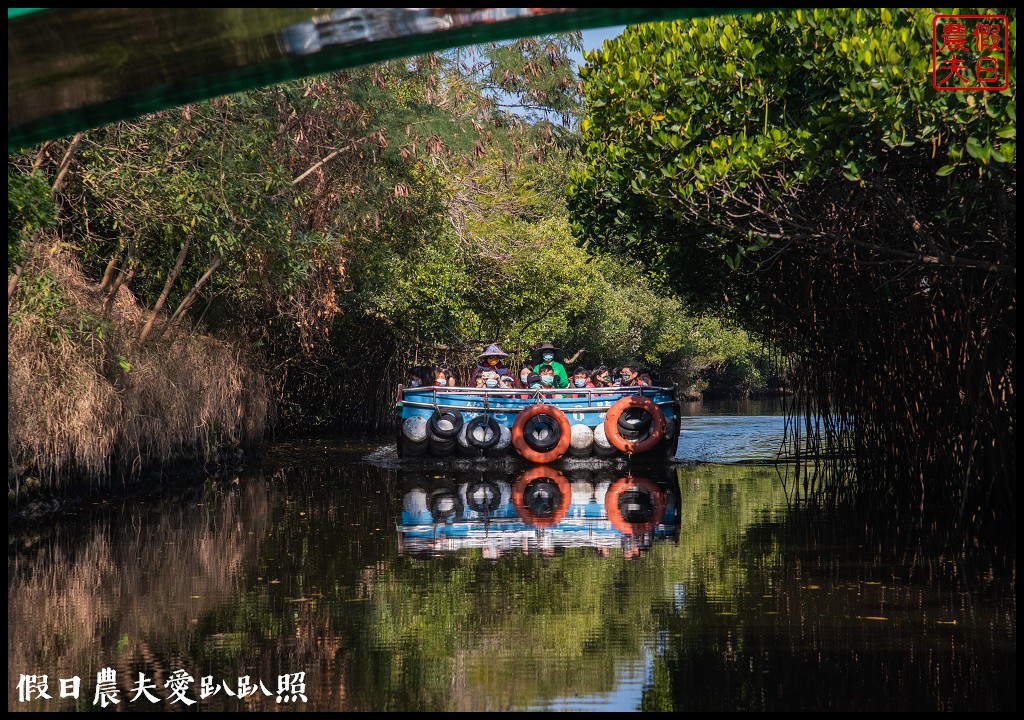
(491, 382)
(579, 383)
(535, 386)
(547, 379)
(415, 383)
(441, 382)
(548, 357)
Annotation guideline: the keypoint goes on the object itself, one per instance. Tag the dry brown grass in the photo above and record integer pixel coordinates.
(77, 418)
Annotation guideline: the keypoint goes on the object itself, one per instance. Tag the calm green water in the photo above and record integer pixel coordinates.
(343, 579)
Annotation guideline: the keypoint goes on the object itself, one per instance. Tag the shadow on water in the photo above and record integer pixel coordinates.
(428, 587)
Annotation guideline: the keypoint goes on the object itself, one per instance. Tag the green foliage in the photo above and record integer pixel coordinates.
(44, 297)
(531, 78)
(800, 168)
(29, 208)
(407, 197)
(48, 309)
(203, 174)
(686, 120)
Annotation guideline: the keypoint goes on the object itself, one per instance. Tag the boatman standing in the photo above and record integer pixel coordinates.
(548, 354)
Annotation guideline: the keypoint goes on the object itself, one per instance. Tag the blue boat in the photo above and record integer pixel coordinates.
(540, 426)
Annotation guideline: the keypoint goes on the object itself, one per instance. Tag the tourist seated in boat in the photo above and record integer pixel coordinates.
(419, 376)
(645, 378)
(491, 378)
(600, 377)
(492, 358)
(507, 382)
(616, 377)
(547, 376)
(580, 376)
(524, 376)
(630, 376)
(534, 382)
(443, 377)
(548, 354)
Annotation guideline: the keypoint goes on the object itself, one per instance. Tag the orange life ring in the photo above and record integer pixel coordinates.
(519, 493)
(519, 440)
(611, 424)
(611, 505)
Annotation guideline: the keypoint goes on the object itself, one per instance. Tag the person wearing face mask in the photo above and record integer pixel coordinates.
(547, 376)
(441, 378)
(524, 376)
(578, 381)
(600, 377)
(616, 377)
(492, 358)
(415, 378)
(628, 375)
(531, 383)
(548, 354)
(491, 379)
(448, 374)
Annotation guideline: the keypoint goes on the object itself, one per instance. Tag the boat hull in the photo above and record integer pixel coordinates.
(587, 407)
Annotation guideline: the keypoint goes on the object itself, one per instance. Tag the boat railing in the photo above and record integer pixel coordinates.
(427, 397)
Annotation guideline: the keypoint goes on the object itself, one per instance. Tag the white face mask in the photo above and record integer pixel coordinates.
(441, 382)
(415, 383)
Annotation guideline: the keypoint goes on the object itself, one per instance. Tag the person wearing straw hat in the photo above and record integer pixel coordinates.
(492, 358)
(548, 354)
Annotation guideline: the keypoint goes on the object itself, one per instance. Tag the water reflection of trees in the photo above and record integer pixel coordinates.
(113, 594)
(299, 570)
(817, 616)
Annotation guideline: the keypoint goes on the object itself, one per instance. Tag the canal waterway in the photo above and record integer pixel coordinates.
(334, 576)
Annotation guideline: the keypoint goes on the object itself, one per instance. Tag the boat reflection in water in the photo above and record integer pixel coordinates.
(541, 510)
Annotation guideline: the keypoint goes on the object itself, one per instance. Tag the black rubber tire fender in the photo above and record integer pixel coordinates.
(483, 421)
(453, 416)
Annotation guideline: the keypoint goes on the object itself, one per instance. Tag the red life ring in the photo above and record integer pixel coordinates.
(611, 424)
(519, 439)
(523, 508)
(611, 505)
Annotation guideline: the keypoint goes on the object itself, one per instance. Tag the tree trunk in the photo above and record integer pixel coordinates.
(65, 163)
(12, 283)
(148, 328)
(191, 297)
(118, 277)
(108, 274)
(121, 279)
